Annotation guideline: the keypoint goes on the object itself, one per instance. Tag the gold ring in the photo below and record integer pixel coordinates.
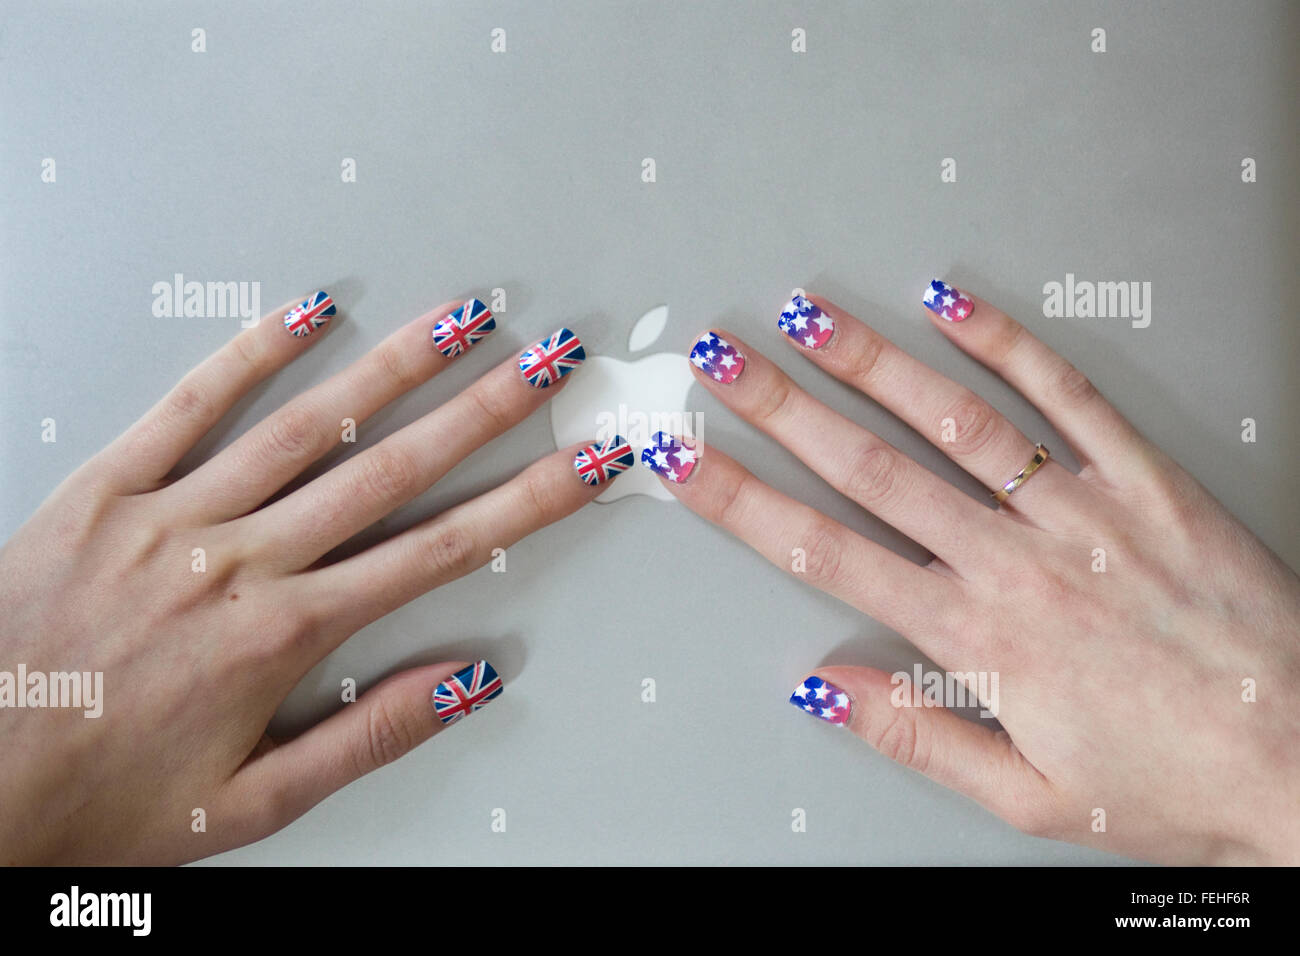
(1040, 456)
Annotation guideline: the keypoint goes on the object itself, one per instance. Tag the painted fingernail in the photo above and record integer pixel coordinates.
(948, 301)
(669, 458)
(716, 357)
(599, 462)
(551, 359)
(806, 323)
(466, 691)
(304, 319)
(822, 699)
(458, 331)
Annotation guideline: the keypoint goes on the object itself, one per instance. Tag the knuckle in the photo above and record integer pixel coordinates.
(899, 739)
(190, 403)
(864, 355)
(1005, 342)
(976, 424)
(540, 497)
(1069, 387)
(493, 406)
(873, 475)
(292, 433)
(773, 402)
(823, 554)
(388, 735)
(728, 508)
(397, 369)
(389, 474)
(248, 349)
(449, 553)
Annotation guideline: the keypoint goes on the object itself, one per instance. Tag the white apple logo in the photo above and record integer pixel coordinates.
(634, 399)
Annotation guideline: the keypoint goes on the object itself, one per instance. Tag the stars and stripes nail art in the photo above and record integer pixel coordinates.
(822, 699)
(599, 462)
(717, 358)
(806, 323)
(306, 318)
(458, 331)
(948, 301)
(552, 358)
(667, 457)
(466, 691)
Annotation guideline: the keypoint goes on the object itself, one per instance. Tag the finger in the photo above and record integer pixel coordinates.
(306, 524)
(854, 461)
(271, 454)
(143, 455)
(914, 601)
(974, 760)
(958, 422)
(1098, 435)
(366, 586)
(387, 722)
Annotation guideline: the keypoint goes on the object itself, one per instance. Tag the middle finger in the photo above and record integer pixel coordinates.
(303, 526)
(857, 463)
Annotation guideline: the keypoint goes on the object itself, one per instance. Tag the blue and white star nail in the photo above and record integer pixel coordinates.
(805, 322)
(305, 318)
(466, 691)
(458, 331)
(822, 699)
(669, 458)
(717, 358)
(948, 301)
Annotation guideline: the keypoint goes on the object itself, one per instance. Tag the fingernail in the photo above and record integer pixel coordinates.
(806, 323)
(551, 359)
(598, 463)
(304, 319)
(948, 301)
(669, 458)
(822, 699)
(458, 331)
(716, 357)
(466, 691)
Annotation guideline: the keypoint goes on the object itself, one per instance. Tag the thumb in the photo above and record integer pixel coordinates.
(976, 761)
(385, 723)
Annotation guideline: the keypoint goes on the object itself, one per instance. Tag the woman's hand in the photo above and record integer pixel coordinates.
(1126, 680)
(202, 606)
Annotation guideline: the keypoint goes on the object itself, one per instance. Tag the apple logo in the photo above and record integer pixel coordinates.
(633, 399)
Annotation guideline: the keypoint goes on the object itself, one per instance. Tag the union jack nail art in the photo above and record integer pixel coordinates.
(304, 319)
(597, 463)
(551, 359)
(806, 323)
(822, 699)
(458, 331)
(948, 301)
(717, 358)
(669, 458)
(466, 691)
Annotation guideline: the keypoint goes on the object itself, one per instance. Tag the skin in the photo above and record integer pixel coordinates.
(195, 664)
(1120, 691)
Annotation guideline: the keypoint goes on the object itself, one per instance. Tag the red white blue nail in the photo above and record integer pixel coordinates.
(310, 315)
(668, 458)
(599, 462)
(822, 699)
(551, 359)
(806, 323)
(466, 691)
(948, 301)
(717, 358)
(458, 331)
